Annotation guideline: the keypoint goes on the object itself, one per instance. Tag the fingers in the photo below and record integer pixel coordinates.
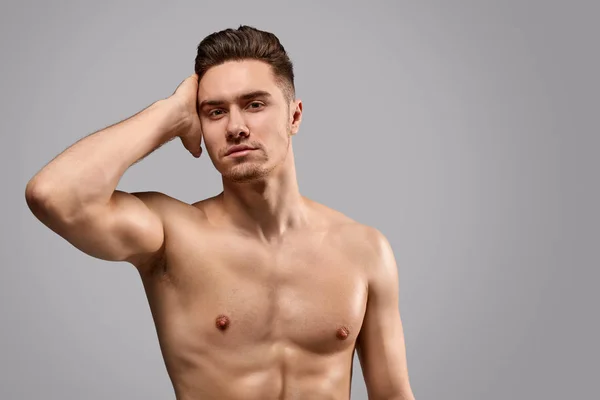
(194, 149)
(186, 95)
(193, 142)
(188, 84)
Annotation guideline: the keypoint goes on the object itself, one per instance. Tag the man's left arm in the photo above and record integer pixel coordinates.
(380, 345)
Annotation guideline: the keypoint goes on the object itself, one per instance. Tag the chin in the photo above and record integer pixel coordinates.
(245, 173)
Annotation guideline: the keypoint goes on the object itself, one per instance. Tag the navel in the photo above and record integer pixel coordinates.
(222, 322)
(342, 333)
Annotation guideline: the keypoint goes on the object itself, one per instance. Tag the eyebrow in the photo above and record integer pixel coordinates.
(244, 96)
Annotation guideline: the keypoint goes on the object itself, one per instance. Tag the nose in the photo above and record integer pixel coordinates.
(236, 127)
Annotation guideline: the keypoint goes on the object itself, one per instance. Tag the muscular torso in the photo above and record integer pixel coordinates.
(241, 318)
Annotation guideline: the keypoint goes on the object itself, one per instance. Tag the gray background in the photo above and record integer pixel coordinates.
(465, 131)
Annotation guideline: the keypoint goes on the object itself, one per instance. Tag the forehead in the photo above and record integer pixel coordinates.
(234, 77)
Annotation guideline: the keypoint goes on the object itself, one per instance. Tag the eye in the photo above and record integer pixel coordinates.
(255, 105)
(213, 113)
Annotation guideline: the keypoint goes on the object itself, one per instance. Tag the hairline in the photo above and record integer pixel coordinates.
(283, 83)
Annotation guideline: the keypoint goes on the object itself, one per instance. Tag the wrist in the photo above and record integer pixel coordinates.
(172, 119)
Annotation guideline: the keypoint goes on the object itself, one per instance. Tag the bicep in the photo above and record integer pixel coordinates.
(381, 346)
(125, 229)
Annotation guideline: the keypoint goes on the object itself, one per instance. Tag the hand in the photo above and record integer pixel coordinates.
(185, 99)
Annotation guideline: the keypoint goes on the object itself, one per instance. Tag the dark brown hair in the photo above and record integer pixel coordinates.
(244, 43)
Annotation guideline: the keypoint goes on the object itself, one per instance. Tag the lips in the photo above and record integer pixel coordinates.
(241, 147)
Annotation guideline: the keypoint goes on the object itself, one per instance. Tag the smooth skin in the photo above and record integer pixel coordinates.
(258, 292)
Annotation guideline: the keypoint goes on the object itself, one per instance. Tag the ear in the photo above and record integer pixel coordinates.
(295, 116)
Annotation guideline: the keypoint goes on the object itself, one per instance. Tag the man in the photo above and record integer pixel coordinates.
(257, 292)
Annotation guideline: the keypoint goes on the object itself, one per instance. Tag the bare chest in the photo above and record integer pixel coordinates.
(310, 294)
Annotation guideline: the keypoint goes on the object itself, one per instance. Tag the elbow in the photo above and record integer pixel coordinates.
(47, 203)
(37, 197)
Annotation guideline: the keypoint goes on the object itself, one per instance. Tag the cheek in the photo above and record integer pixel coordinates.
(212, 140)
(212, 130)
(270, 124)
(260, 122)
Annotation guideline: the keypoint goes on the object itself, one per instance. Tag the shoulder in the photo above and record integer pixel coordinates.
(370, 251)
(164, 205)
(367, 250)
(176, 217)
(158, 200)
(363, 242)
(370, 242)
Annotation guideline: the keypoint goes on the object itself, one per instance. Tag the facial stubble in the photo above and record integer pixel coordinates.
(251, 170)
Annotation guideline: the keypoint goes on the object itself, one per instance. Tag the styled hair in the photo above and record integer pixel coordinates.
(245, 43)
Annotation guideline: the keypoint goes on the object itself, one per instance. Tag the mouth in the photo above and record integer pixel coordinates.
(240, 153)
(237, 151)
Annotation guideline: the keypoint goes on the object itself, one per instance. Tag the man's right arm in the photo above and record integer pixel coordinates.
(75, 194)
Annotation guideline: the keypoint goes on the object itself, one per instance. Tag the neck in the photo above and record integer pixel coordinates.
(268, 207)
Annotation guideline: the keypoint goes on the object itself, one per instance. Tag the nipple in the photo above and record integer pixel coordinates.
(342, 333)
(222, 322)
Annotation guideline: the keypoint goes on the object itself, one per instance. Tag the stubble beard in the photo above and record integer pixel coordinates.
(248, 171)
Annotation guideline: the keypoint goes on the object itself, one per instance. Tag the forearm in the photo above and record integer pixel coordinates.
(88, 172)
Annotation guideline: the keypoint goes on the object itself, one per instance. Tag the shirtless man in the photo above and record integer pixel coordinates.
(258, 292)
